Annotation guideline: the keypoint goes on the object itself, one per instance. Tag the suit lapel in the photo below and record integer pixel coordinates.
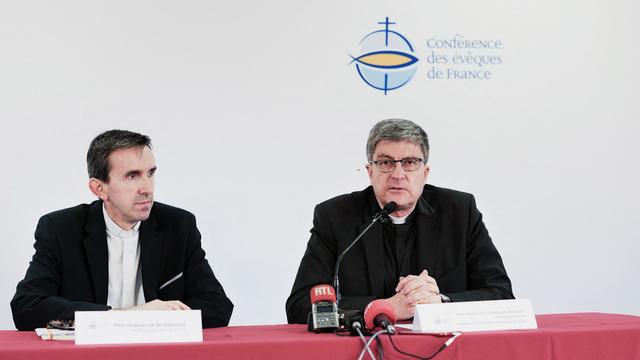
(150, 253)
(427, 226)
(97, 252)
(373, 245)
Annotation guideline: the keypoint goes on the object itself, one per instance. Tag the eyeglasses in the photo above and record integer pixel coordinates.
(387, 165)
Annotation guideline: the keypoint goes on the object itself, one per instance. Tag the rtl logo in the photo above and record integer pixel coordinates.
(323, 290)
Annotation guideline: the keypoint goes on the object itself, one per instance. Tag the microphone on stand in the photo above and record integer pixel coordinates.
(382, 214)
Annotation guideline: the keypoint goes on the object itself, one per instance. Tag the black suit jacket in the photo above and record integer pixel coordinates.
(452, 244)
(69, 270)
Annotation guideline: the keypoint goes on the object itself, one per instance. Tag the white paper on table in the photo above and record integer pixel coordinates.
(474, 316)
(55, 334)
(129, 327)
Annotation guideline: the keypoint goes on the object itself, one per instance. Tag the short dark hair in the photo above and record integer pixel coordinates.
(106, 143)
(397, 130)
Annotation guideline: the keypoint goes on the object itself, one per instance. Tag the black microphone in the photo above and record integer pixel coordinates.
(386, 210)
(382, 214)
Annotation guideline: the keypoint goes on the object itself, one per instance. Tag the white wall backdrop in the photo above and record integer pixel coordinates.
(256, 115)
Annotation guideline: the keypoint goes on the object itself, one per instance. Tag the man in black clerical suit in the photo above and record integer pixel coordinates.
(121, 252)
(434, 248)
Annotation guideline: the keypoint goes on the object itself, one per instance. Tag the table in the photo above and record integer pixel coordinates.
(581, 336)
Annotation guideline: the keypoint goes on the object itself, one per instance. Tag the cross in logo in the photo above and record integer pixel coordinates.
(386, 24)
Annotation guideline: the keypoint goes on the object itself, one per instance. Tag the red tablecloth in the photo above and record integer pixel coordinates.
(564, 336)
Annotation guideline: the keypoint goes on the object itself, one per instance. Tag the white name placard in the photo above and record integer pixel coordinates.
(128, 327)
(475, 316)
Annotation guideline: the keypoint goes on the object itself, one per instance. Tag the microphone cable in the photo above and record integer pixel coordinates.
(444, 346)
(371, 339)
(357, 327)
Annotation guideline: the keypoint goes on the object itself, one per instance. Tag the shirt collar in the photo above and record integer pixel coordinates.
(398, 220)
(115, 230)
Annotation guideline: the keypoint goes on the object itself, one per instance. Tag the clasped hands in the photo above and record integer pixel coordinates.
(160, 305)
(412, 290)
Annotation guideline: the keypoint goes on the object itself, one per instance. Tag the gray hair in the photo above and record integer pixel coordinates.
(106, 143)
(397, 130)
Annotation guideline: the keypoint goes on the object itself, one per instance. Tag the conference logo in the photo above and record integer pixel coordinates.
(386, 61)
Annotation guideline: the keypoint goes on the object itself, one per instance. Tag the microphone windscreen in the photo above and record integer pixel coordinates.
(390, 207)
(322, 292)
(376, 308)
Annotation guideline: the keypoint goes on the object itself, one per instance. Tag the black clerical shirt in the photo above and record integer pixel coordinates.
(399, 257)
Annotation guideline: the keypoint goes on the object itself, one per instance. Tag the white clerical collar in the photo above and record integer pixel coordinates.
(115, 230)
(398, 220)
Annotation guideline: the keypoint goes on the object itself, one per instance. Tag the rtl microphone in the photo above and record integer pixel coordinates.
(382, 214)
(324, 311)
(380, 313)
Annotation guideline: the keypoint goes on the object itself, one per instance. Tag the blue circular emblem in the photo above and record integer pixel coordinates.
(387, 61)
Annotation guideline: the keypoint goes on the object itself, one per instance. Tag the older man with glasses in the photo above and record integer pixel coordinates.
(433, 248)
